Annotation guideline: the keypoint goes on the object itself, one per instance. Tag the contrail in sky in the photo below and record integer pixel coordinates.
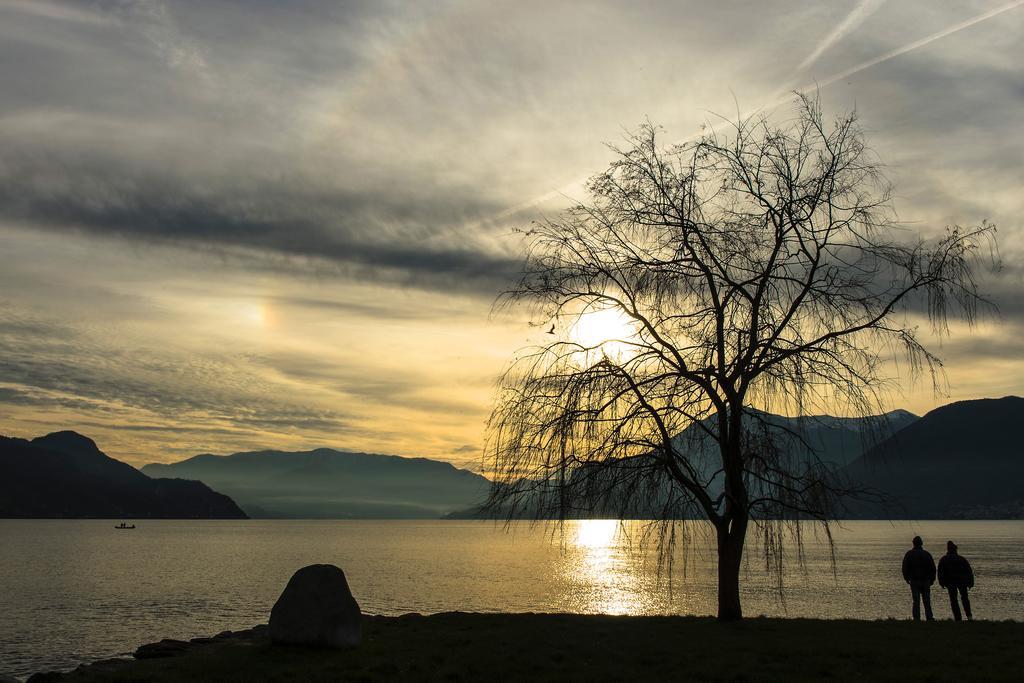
(913, 46)
(854, 19)
(859, 14)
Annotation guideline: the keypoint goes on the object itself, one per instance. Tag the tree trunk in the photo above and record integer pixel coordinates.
(730, 557)
(732, 530)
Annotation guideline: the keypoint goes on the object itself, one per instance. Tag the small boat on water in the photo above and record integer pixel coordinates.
(122, 525)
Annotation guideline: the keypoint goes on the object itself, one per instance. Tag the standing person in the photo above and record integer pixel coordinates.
(919, 572)
(956, 576)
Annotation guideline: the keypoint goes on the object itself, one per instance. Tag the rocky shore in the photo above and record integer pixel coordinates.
(562, 647)
(168, 647)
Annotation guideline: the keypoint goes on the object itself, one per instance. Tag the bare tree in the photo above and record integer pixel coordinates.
(763, 267)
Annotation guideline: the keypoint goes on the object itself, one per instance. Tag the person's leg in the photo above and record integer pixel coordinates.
(916, 594)
(926, 598)
(967, 602)
(953, 604)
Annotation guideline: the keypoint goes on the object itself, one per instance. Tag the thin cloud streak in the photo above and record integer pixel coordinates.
(861, 12)
(910, 47)
(854, 19)
(53, 10)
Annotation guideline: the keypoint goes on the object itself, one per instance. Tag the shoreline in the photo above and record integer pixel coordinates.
(527, 646)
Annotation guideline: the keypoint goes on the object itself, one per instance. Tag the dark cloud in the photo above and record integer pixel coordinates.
(404, 390)
(157, 123)
(42, 370)
(362, 309)
(22, 396)
(377, 137)
(1008, 346)
(163, 429)
(372, 235)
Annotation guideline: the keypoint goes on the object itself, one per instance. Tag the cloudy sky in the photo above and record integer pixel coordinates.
(237, 225)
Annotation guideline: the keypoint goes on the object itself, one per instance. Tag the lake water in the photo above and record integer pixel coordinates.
(75, 591)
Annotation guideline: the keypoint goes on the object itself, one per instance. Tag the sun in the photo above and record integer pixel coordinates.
(596, 533)
(607, 327)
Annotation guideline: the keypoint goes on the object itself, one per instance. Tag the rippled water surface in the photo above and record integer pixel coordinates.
(73, 591)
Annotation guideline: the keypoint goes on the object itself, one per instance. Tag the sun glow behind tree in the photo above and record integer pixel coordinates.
(604, 332)
(760, 266)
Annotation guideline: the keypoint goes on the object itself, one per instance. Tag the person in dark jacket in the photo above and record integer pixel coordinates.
(919, 572)
(956, 576)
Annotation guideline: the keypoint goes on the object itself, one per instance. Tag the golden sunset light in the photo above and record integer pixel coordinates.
(608, 328)
(511, 340)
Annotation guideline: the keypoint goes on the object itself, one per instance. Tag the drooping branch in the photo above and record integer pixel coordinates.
(759, 266)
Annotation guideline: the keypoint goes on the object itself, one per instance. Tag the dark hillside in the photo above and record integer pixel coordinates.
(964, 459)
(65, 475)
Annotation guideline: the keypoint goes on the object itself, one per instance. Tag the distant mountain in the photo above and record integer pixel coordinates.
(330, 484)
(834, 442)
(65, 474)
(963, 460)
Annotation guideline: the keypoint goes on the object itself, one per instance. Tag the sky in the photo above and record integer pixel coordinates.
(232, 226)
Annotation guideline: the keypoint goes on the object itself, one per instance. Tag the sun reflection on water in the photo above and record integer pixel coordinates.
(605, 577)
(596, 533)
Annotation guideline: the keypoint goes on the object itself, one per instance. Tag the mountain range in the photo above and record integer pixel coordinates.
(65, 474)
(834, 442)
(631, 488)
(330, 484)
(962, 460)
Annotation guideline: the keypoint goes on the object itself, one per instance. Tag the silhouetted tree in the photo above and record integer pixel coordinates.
(762, 267)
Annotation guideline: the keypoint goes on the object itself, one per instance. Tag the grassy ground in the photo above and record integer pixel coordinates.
(537, 647)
